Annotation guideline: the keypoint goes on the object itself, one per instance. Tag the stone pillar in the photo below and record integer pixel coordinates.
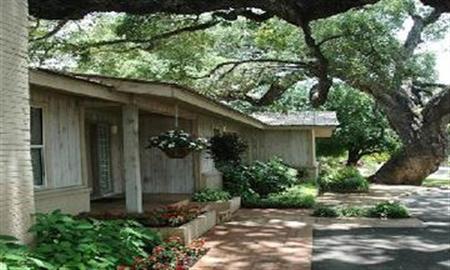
(133, 185)
(16, 181)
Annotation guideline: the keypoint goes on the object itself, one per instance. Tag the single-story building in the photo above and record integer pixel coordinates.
(89, 138)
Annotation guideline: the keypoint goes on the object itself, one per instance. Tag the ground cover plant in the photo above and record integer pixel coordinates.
(73, 243)
(161, 217)
(65, 242)
(211, 195)
(343, 180)
(383, 210)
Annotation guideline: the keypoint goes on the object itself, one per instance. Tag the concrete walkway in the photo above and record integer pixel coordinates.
(263, 239)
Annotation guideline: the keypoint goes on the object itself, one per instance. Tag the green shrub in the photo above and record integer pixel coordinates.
(227, 148)
(300, 196)
(211, 195)
(236, 179)
(15, 256)
(388, 210)
(71, 243)
(271, 177)
(325, 211)
(344, 180)
(352, 211)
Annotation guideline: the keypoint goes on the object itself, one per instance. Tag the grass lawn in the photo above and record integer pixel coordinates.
(430, 182)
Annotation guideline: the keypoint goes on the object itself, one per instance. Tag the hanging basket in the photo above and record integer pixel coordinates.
(177, 153)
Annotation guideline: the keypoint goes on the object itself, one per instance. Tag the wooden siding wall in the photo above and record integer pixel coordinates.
(161, 174)
(62, 137)
(112, 117)
(293, 146)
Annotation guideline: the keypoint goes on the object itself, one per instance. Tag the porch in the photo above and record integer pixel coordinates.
(117, 204)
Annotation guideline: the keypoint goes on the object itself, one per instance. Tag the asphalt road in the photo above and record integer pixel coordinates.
(391, 248)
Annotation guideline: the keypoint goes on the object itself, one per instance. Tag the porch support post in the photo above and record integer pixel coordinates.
(133, 185)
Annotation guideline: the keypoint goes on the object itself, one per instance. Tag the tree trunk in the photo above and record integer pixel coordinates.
(353, 158)
(415, 161)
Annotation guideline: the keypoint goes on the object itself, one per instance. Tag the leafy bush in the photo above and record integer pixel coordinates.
(347, 179)
(227, 148)
(388, 210)
(381, 210)
(16, 256)
(236, 180)
(325, 211)
(68, 242)
(271, 177)
(211, 195)
(300, 196)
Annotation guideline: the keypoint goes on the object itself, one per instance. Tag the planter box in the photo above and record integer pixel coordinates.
(224, 210)
(191, 230)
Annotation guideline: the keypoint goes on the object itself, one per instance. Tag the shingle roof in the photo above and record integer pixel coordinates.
(307, 118)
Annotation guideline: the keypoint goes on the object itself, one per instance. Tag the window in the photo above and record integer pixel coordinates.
(37, 146)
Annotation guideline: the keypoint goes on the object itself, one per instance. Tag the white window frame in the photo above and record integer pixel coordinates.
(41, 146)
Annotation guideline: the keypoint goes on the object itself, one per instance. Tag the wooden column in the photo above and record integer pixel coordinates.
(133, 185)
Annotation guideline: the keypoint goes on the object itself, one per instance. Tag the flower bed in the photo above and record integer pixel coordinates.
(191, 230)
(171, 216)
(171, 254)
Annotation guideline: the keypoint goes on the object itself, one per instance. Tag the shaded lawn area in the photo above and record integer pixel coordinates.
(431, 182)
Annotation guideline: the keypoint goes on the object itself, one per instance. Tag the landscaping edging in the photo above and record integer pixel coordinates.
(191, 230)
(223, 210)
(325, 223)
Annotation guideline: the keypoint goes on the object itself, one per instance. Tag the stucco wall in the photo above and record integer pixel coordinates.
(16, 185)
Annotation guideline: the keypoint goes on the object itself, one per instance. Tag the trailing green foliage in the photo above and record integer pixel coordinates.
(70, 243)
(211, 195)
(380, 210)
(388, 210)
(227, 148)
(299, 196)
(345, 180)
(14, 256)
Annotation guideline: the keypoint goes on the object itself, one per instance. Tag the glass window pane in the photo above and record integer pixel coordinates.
(38, 166)
(36, 126)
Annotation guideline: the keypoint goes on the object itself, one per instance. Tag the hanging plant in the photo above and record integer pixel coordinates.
(178, 143)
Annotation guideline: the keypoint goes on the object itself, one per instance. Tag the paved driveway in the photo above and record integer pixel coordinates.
(391, 248)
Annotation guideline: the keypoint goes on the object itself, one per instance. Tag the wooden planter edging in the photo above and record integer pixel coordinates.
(191, 230)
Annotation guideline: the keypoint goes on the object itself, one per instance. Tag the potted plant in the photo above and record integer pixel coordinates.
(177, 143)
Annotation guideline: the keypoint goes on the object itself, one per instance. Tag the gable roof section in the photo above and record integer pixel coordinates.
(306, 118)
(120, 89)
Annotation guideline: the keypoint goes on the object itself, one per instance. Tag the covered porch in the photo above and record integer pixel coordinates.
(122, 172)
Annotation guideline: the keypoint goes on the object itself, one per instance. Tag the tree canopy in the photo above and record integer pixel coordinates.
(250, 53)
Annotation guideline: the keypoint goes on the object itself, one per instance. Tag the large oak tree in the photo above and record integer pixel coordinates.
(420, 124)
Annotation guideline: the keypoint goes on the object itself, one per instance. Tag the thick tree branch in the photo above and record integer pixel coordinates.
(310, 10)
(414, 37)
(319, 92)
(145, 43)
(234, 64)
(437, 110)
(52, 32)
